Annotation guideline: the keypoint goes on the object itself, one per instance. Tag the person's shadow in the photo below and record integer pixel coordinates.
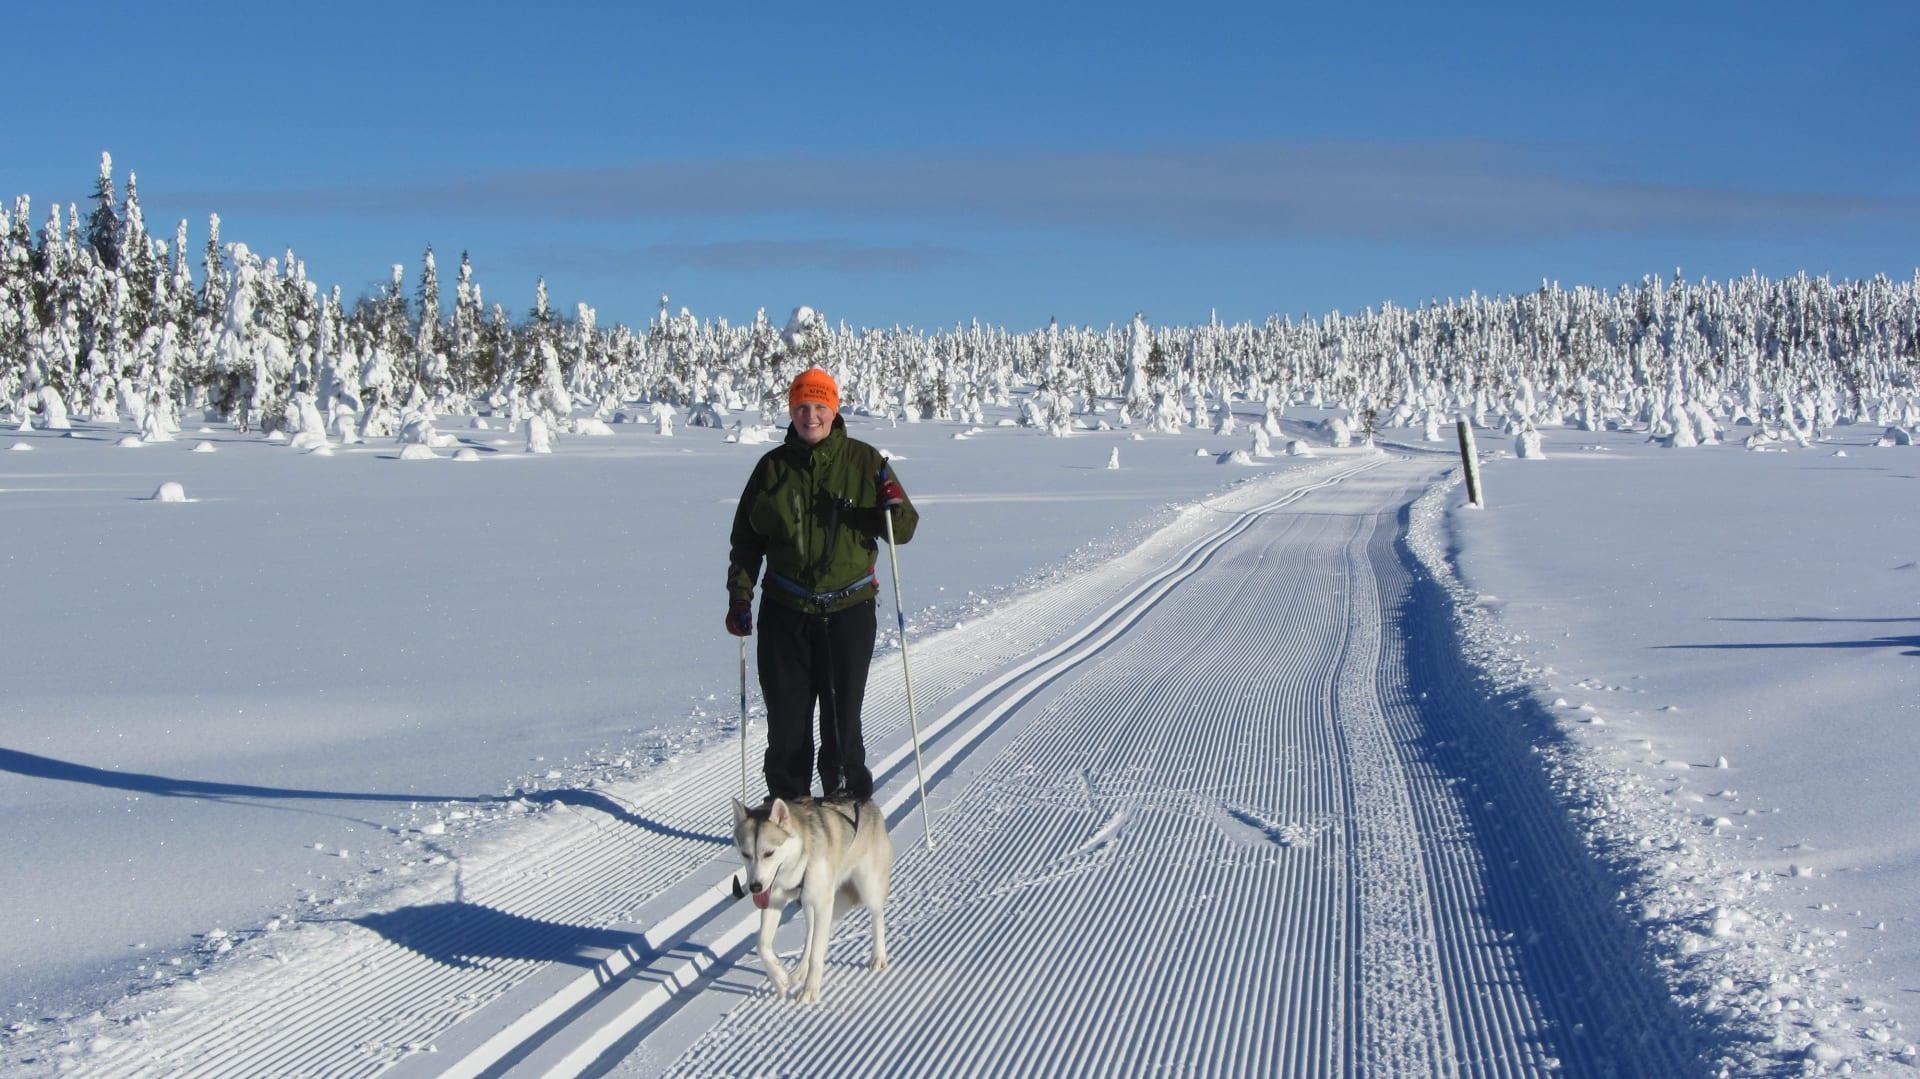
(1910, 642)
(36, 766)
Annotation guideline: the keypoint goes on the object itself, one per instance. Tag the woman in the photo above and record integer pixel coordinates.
(813, 509)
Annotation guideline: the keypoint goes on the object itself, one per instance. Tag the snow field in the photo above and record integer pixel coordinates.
(1264, 705)
(1730, 731)
(383, 731)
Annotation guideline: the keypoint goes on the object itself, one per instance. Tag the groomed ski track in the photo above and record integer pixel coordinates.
(1228, 804)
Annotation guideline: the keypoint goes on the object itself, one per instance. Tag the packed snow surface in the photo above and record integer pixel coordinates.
(351, 767)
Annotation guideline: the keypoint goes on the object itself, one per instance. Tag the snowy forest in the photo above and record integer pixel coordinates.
(102, 319)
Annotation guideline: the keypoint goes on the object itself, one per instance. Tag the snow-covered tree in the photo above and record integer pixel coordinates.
(103, 224)
(429, 347)
(541, 379)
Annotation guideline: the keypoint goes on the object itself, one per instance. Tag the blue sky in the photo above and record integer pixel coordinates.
(923, 164)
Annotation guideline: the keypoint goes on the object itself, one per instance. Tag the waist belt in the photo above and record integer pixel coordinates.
(823, 599)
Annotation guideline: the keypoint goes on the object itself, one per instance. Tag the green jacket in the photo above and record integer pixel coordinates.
(811, 512)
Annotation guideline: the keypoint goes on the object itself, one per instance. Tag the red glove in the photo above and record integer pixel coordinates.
(888, 490)
(740, 620)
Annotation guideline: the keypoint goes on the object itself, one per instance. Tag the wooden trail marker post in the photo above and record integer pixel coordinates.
(1471, 462)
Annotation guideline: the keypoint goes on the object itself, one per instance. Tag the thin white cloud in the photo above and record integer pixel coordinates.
(838, 255)
(1418, 191)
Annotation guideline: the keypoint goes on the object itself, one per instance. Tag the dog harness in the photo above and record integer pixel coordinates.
(765, 813)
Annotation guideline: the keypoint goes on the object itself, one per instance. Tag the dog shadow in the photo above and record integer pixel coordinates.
(466, 936)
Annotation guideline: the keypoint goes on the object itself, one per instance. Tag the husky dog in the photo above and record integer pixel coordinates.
(828, 855)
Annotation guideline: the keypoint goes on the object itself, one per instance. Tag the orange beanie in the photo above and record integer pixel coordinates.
(814, 384)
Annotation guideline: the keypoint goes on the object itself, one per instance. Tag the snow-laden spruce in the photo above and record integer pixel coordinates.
(103, 320)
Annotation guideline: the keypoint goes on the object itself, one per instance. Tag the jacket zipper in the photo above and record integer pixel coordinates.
(800, 515)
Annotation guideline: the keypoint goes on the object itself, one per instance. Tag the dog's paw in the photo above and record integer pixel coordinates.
(809, 994)
(878, 962)
(781, 986)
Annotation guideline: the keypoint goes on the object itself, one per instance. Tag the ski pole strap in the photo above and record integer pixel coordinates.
(823, 600)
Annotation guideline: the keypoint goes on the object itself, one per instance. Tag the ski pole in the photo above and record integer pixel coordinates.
(743, 719)
(913, 720)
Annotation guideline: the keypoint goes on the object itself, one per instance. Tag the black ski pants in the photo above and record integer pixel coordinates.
(807, 659)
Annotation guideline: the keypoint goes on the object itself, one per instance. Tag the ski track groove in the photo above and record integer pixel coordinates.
(375, 977)
(355, 994)
(1256, 795)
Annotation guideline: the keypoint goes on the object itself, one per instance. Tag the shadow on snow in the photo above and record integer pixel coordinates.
(468, 935)
(1602, 1005)
(35, 766)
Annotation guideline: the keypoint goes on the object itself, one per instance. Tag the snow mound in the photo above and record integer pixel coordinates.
(592, 428)
(1202, 452)
(417, 431)
(1298, 448)
(321, 451)
(415, 451)
(1237, 457)
(129, 442)
(1338, 431)
(276, 436)
(538, 438)
(204, 447)
(308, 441)
(1895, 436)
(1113, 459)
(1526, 445)
(20, 447)
(170, 491)
(467, 453)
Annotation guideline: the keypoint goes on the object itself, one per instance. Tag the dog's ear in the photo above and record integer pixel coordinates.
(739, 813)
(780, 814)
